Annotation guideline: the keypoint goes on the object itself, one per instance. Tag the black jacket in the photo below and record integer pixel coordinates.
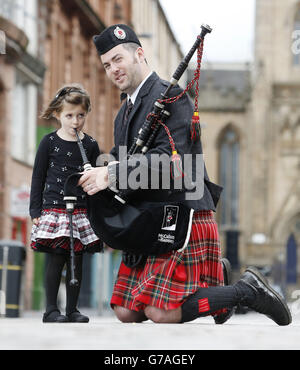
(197, 191)
(55, 160)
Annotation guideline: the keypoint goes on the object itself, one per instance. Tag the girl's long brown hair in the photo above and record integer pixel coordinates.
(72, 94)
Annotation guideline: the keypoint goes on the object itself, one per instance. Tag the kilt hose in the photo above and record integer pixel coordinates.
(167, 280)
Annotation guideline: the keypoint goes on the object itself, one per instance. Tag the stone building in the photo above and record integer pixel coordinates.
(251, 134)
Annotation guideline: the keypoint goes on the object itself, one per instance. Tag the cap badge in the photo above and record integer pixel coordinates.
(119, 33)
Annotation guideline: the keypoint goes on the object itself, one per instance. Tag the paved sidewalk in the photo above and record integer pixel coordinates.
(242, 332)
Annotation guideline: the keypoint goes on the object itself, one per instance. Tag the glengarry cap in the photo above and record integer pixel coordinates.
(113, 36)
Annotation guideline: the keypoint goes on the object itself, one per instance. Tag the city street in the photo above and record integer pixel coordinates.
(250, 331)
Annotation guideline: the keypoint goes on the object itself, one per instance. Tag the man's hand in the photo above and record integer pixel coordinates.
(94, 180)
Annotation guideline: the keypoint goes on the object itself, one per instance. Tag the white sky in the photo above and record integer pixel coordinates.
(233, 22)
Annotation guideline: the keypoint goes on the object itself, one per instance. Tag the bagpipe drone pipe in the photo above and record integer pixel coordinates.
(143, 228)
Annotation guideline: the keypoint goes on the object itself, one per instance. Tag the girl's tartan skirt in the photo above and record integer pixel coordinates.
(166, 281)
(52, 234)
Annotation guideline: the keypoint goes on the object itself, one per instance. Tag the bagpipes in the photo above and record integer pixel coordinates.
(143, 228)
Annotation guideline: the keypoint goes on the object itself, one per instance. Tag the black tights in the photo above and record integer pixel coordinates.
(56, 263)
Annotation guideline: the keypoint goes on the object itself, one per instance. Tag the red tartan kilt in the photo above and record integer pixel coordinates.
(166, 281)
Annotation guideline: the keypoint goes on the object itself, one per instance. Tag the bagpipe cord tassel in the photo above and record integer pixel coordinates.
(176, 166)
(176, 162)
(195, 127)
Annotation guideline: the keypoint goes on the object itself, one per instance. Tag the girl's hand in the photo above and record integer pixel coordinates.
(36, 221)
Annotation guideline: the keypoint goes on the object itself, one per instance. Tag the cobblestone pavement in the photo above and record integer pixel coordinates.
(242, 332)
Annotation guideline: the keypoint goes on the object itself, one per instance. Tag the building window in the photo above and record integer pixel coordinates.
(24, 118)
(229, 150)
(23, 13)
(8, 8)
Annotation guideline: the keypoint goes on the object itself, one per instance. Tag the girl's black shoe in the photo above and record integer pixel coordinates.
(76, 316)
(54, 316)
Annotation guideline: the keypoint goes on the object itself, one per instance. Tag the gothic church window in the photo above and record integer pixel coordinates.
(229, 151)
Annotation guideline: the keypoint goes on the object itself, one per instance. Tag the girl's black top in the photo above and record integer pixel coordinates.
(55, 160)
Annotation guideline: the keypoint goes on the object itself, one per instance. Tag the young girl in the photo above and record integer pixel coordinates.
(57, 157)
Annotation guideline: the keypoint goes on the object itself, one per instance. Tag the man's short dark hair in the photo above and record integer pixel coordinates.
(131, 46)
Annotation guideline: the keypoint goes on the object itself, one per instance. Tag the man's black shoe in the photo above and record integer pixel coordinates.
(223, 317)
(267, 301)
